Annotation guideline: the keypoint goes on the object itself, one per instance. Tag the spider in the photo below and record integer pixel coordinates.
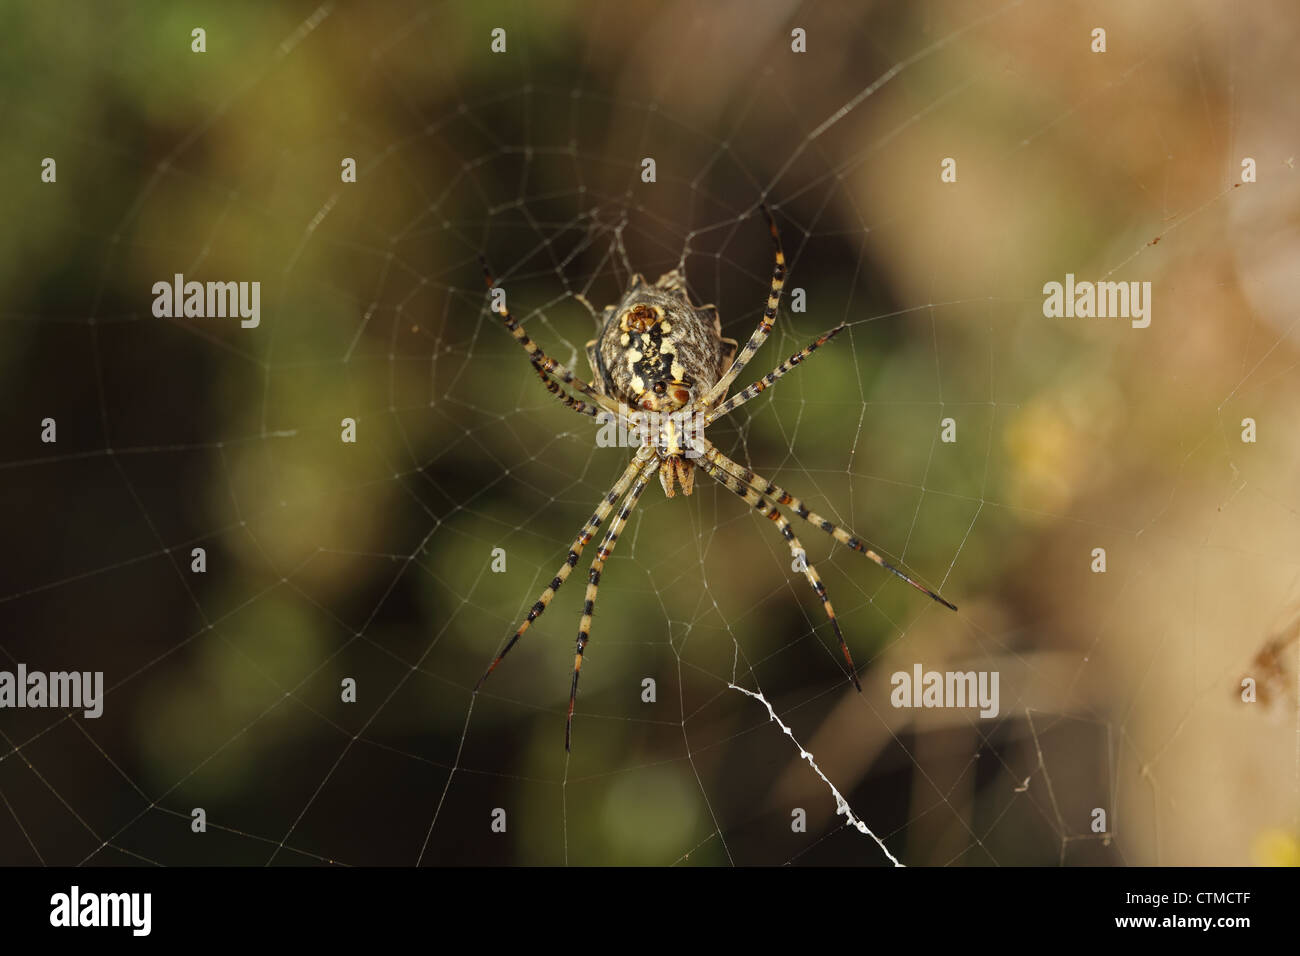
(662, 369)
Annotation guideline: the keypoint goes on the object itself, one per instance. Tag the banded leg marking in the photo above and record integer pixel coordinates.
(762, 486)
(764, 324)
(740, 398)
(769, 510)
(575, 552)
(543, 362)
(593, 584)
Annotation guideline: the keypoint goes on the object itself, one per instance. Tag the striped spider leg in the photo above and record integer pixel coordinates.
(714, 395)
(773, 513)
(764, 487)
(593, 584)
(620, 487)
(752, 391)
(550, 369)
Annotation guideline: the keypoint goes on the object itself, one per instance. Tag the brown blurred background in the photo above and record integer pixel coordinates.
(327, 560)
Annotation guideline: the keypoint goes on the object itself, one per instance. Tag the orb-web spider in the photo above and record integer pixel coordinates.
(658, 369)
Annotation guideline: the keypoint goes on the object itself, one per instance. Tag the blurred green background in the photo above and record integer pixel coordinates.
(372, 560)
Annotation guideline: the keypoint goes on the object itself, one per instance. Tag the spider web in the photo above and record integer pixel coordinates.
(374, 561)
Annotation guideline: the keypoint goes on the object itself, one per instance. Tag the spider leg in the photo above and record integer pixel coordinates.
(575, 551)
(764, 487)
(593, 584)
(583, 301)
(579, 406)
(543, 362)
(740, 398)
(763, 504)
(764, 324)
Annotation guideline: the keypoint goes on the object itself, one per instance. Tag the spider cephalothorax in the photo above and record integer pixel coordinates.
(662, 370)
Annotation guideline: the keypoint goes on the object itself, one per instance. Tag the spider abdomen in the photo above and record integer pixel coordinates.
(657, 351)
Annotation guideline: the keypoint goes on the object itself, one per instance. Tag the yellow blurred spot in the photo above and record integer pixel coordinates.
(1044, 453)
(1276, 848)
